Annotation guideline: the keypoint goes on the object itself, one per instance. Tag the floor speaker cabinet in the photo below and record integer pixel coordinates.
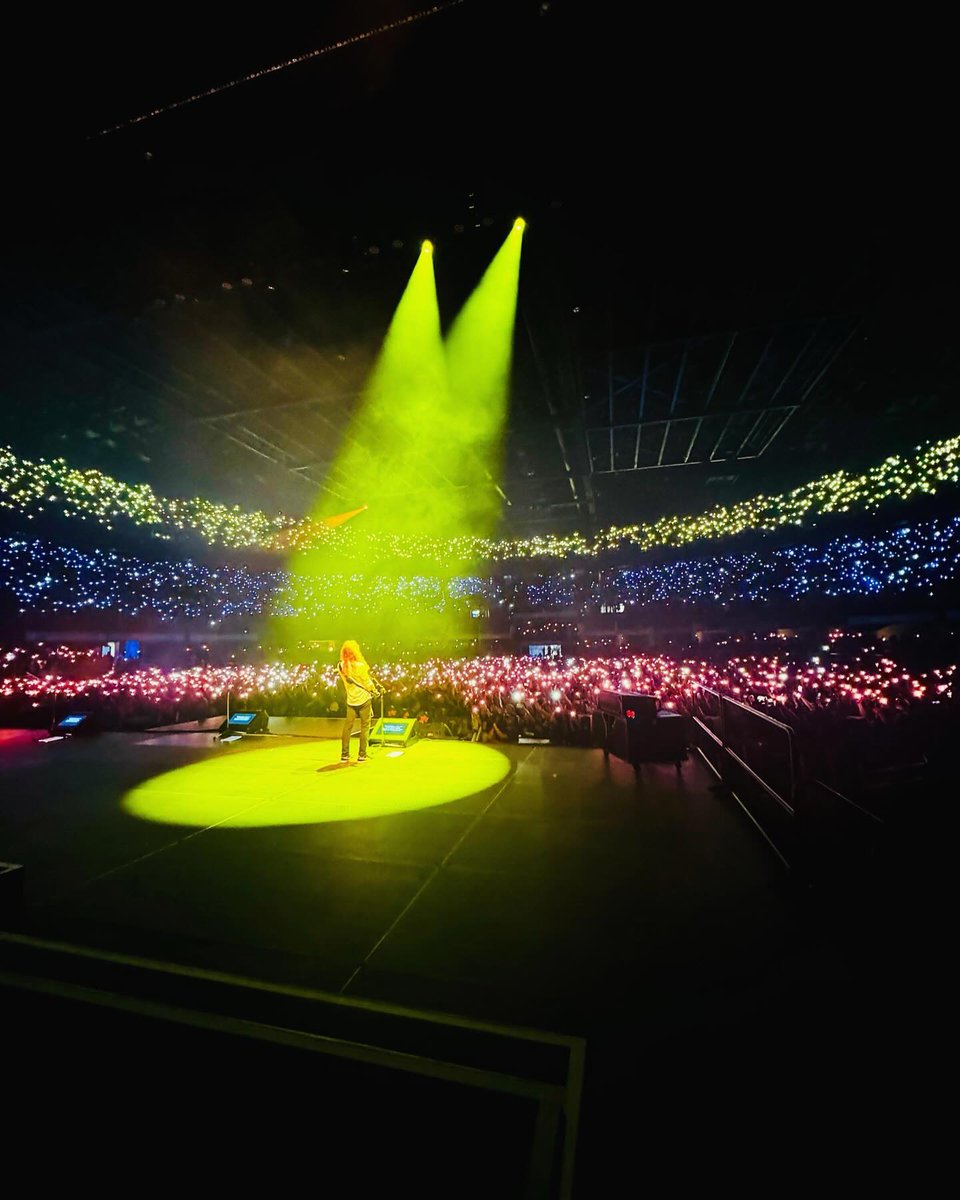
(638, 733)
(632, 706)
(246, 721)
(670, 737)
(394, 731)
(78, 724)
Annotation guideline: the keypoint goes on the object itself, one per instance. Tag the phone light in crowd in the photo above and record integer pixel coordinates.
(516, 697)
(555, 694)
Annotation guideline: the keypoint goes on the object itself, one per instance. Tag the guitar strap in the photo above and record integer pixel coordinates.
(350, 679)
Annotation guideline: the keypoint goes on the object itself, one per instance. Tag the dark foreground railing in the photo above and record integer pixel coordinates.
(810, 826)
(501, 1103)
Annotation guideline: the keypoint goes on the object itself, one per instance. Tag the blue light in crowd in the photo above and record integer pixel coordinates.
(43, 577)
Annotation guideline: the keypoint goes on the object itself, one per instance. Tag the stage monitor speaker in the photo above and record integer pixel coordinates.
(79, 724)
(671, 734)
(631, 705)
(638, 708)
(246, 721)
(394, 731)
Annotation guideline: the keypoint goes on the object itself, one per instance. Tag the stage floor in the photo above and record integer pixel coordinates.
(519, 883)
(532, 885)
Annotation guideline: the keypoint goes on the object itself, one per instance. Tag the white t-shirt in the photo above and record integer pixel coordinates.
(359, 686)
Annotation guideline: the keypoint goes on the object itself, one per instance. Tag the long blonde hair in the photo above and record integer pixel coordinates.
(350, 652)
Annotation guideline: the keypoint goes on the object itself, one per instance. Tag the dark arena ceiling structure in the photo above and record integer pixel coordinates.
(728, 285)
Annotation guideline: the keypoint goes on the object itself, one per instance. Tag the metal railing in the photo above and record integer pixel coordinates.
(753, 756)
(807, 823)
(541, 1067)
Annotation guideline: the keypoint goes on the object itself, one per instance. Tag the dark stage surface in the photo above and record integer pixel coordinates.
(540, 900)
(647, 917)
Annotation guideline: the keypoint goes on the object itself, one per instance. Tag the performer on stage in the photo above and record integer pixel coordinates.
(361, 689)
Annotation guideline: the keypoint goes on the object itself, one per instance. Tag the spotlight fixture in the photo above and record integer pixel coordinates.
(426, 247)
(519, 225)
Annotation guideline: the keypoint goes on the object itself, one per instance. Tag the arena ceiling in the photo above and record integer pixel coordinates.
(726, 287)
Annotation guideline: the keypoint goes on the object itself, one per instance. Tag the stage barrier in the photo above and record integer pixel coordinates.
(808, 825)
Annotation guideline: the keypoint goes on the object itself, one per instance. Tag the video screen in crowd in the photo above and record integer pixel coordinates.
(545, 650)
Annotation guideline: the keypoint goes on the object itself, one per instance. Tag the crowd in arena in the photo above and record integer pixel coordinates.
(847, 705)
(31, 488)
(42, 577)
(847, 701)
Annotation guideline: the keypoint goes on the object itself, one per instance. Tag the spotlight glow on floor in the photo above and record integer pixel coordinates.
(306, 784)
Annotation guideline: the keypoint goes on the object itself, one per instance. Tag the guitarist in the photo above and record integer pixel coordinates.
(361, 689)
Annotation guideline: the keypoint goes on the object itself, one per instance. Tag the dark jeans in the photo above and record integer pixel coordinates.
(353, 711)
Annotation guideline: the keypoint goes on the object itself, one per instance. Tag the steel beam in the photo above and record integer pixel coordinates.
(566, 463)
(753, 428)
(720, 439)
(786, 417)
(643, 389)
(753, 373)
(255, 410)
(806, 346)
(552, 410)
(719, 371)
(828, 364)
(696, 434)
(663, 444)
(694, 462)
(676, 388)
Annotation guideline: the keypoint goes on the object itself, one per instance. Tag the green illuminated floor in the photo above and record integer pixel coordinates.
(306, 784)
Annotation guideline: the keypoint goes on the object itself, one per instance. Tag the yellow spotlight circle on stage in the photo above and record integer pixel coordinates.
(306, 784)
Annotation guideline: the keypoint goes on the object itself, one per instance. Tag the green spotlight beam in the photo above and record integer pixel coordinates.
(396, 458)
(392, 449)
(479, 358)
(423, 452)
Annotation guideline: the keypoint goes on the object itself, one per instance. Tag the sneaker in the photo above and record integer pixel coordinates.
(344, 757)
(361, 758)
